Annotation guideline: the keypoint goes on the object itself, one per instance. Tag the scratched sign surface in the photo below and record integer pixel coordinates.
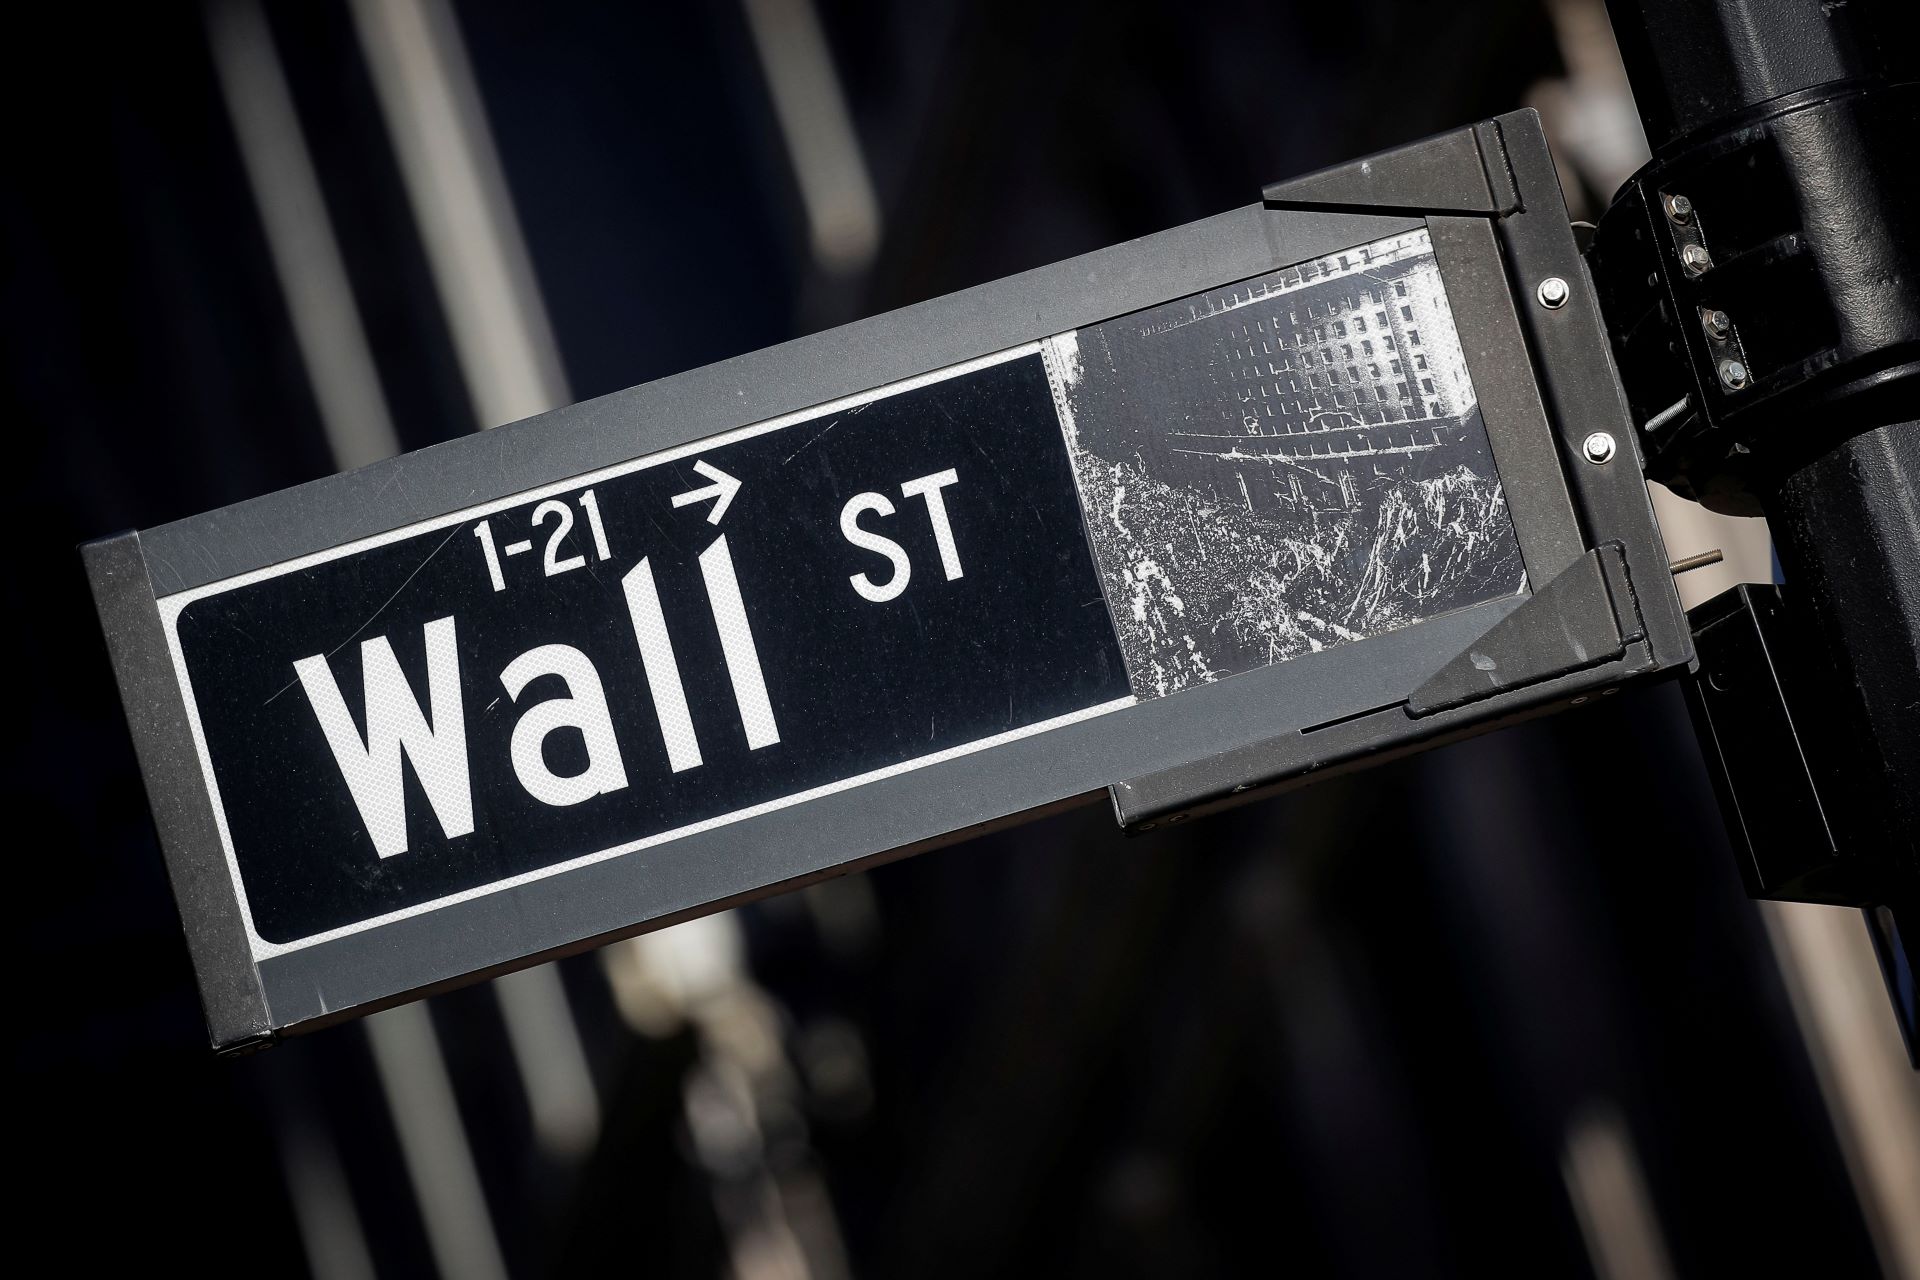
(1042, 535)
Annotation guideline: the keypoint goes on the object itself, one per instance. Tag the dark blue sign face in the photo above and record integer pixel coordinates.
(667, 644)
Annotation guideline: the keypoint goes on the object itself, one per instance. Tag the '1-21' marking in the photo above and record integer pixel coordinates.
(561, 516)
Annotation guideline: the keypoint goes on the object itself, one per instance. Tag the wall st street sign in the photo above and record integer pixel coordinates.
(1184, 520)
(595, 669)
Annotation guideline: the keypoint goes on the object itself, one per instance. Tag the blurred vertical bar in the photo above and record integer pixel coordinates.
(843, 214)
(426, 1116)
(326, 324)
(547, 1049)
(1833, 979)
(330, 1231)
(420, 73)
(1610, 1198)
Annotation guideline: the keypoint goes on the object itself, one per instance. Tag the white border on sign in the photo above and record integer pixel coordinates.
(172, 605)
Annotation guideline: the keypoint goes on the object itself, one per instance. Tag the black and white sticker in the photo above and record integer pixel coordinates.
(798, 607)
(1290, 463)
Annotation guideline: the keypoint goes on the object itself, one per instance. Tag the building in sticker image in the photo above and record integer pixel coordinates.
(1362, 368)
(1318, 423)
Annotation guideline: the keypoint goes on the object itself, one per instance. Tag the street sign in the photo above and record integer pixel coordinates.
(1186, 519)
(596, 668)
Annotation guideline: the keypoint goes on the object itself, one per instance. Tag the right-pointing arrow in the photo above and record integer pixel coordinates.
(723, 488)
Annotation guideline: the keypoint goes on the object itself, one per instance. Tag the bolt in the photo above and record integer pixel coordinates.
(1687, 564)
(1599, 447)
(1680, 209)
(1696, 259)
(1717, 323)
(1553, 293)
(1733, 374)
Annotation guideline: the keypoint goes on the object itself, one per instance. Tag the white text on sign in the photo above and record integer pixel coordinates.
(434, 738)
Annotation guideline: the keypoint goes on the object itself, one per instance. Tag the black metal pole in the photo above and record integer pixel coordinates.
(1765, 269)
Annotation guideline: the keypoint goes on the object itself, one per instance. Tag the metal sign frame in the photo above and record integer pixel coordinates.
(1601, 609)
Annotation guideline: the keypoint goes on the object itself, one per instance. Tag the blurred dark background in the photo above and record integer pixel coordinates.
(1501, 1007)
